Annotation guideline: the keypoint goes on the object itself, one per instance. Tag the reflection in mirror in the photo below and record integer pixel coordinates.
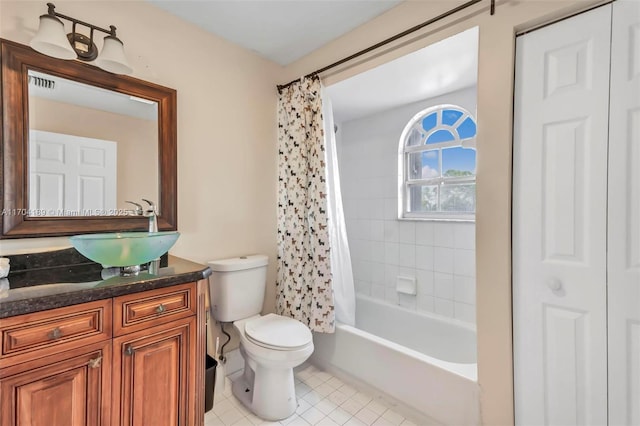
(90, 149)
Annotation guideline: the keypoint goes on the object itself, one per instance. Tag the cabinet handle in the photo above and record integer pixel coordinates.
(56, 333)
(160, 309)
(95, 363)
(128, 350)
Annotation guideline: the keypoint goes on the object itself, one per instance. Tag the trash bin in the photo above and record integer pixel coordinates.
(209, 382)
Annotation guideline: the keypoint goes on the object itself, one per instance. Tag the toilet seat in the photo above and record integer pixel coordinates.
(277, 332)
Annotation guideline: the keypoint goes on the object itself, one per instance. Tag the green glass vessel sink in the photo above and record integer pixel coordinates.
(124, 248)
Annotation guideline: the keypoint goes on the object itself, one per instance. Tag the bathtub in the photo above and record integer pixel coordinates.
(422, 360)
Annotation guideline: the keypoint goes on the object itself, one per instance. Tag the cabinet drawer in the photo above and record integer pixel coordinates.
(56, 330)
(134, 312)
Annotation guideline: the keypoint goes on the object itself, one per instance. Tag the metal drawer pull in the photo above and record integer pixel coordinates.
(160, 309)
(56, 333)
(128, 350)
(95, 363)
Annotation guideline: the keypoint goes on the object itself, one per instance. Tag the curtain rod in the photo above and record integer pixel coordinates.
(391, 39)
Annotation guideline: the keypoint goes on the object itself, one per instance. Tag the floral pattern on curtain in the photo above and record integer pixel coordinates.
(304, 281)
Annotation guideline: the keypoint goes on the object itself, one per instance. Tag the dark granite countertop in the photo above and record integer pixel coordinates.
(44, 281)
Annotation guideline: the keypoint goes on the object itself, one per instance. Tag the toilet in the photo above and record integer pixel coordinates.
(271, 345)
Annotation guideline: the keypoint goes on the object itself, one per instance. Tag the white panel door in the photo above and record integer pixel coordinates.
(559, 222)
(624, 217)
(71, 173)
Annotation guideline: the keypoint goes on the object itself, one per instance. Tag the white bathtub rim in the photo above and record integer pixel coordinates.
(449, 367)
(441, 318)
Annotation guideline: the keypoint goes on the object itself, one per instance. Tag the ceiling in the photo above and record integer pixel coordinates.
(443, 67)
(280, 30)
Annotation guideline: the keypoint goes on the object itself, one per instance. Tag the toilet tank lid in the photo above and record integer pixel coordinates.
(239, 263)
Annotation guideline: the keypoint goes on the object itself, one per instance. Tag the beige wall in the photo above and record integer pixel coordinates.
(495, 104)
(136, 139)
(226, 125)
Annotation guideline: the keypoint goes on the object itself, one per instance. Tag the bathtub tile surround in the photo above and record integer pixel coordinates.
(323, 400)
(439, 255)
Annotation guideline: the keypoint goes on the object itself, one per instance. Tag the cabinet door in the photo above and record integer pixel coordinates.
(71, 391)
(559, 222)
(154, 375)
(624, 217)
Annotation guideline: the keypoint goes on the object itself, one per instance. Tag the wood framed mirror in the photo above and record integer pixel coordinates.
(44, 192)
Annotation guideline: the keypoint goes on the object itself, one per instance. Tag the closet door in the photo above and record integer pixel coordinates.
(559, 222)
(624, 217)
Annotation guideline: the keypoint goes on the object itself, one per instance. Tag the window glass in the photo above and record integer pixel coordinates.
(440, 136)
(458, 161)
(439, 161)
(451, 116)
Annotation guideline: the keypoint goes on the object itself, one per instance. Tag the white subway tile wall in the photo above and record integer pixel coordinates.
(439, 255)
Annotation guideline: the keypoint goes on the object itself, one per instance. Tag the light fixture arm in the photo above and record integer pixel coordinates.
(51, 12)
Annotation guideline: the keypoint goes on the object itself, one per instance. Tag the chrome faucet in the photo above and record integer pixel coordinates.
(152, 214)
(138, 211)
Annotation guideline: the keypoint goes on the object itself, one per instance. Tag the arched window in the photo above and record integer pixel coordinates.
(438, 162)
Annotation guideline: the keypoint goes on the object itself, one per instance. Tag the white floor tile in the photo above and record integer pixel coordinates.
(323, 400)
(313, 415)
(339, 416)
(299, 422)
(324, 389)
(243, 422)
(323, 375)
(313, 381)
(303, 405)
(393, 417)
(327, 422)
(351, 406)
(362, 398)
(367, 416)
(376, 407)
(289, 419)
(335, 382)
(231, 416)
(382, 422)
(354, 422)
(337, 397)
(221, 407)
(347, 390)
(313, 397)
(326, 406)
(302, 389)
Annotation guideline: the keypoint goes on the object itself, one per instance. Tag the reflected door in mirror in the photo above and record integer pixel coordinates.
(71, 175)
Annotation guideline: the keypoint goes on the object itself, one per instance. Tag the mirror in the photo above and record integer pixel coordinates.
(78, 142)
(87, 149)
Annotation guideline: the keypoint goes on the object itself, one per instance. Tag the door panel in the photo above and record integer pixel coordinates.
(624, 217)
(59, 391)
(154, 371)
(71, 173)
(559, 222)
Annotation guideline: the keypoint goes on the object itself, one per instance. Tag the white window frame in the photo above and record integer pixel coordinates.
(405, 183)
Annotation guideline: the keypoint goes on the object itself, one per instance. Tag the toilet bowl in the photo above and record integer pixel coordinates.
(271, 345)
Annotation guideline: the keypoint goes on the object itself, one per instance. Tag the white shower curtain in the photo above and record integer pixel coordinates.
(343, 287)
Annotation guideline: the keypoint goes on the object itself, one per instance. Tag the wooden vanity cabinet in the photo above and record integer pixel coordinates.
(134, 360)
(71, 388)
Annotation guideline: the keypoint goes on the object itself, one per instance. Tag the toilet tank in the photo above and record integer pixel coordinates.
(237, 287)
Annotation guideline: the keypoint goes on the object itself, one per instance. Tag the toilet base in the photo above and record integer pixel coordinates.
(268, 393)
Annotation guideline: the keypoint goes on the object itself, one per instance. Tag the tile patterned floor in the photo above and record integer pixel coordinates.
(323, 400)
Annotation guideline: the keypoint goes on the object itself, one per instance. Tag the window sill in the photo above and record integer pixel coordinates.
(458, 219)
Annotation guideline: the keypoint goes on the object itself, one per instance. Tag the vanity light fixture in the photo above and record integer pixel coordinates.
(52, 41)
